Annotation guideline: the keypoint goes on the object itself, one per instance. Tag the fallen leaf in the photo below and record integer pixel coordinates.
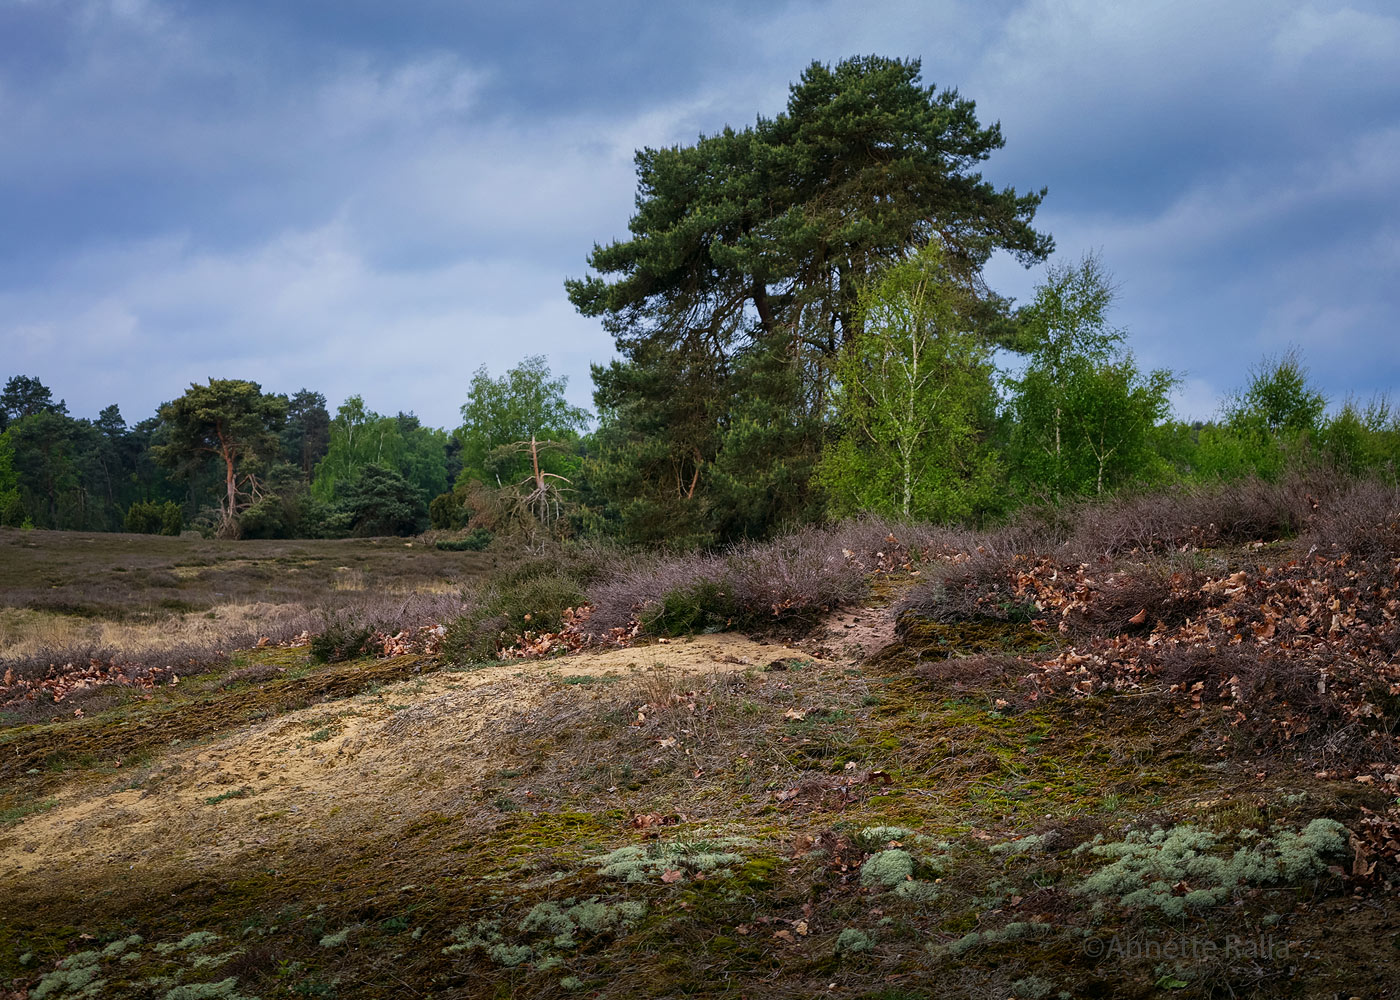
(672, 875)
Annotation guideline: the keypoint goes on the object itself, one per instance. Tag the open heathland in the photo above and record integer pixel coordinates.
(1130, 749)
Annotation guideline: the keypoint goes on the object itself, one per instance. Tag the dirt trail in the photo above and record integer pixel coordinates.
(376, 760)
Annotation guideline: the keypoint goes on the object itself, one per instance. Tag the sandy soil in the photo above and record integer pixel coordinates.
(375, 760)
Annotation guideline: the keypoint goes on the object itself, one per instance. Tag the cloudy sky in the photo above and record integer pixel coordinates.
(374, 198)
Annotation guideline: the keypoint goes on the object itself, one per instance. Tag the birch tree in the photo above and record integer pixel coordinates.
(912, 388)
(1083, 413)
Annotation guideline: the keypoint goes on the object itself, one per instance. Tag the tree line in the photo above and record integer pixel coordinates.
(804, 330)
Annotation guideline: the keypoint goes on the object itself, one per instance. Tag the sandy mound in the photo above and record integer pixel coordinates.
(376, 760)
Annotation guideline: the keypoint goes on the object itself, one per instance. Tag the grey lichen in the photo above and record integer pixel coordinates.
(226, 989)
(76, 975)
(563, 920)
(121, 945)
(1031, 844)
(887, 869)
(190, 942)
(851, 941)
(917, 892)
(1144, 869)
(636, 863)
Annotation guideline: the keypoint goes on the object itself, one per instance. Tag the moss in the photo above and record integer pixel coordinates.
(16, 813)
(921, 639)
(38, 757)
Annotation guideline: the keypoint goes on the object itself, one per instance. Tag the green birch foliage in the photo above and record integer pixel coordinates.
(1267, 427)
(1085, 418)
(500, 413)
(359, 438)
(1363, 438)
(911, 388)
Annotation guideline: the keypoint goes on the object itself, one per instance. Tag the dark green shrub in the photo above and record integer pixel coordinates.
(342, 638)
(700, 607)
(477, 541)
(537, 604)
(449, 511)
(472, 638)
(143, 518)
(506, 612)
(379, 501)
(172, 519)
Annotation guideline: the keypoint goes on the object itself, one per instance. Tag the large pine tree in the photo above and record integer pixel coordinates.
(739, 286)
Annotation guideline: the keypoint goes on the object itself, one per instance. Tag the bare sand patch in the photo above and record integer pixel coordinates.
(375, 761)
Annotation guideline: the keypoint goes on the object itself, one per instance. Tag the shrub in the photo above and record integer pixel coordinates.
(172, 519)
(506, 612)
(380, 501)
(1202, 516)
(341, 638)
(477, 541)
(699, 607)
(151, 518)
(785, 584)
(449, 511)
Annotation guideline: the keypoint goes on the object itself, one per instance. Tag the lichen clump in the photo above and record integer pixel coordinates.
(1145, 868)
(887, 869)
(549, 928)
(190, 942)
(851, 941)
(563, 920)
(635, 863)
(76, 975)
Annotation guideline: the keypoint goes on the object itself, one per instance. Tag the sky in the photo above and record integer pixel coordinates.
(368, 198)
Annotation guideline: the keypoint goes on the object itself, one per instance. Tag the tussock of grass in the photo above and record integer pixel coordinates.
(16, 813)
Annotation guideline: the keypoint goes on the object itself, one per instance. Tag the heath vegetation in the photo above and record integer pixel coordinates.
(826, 658)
